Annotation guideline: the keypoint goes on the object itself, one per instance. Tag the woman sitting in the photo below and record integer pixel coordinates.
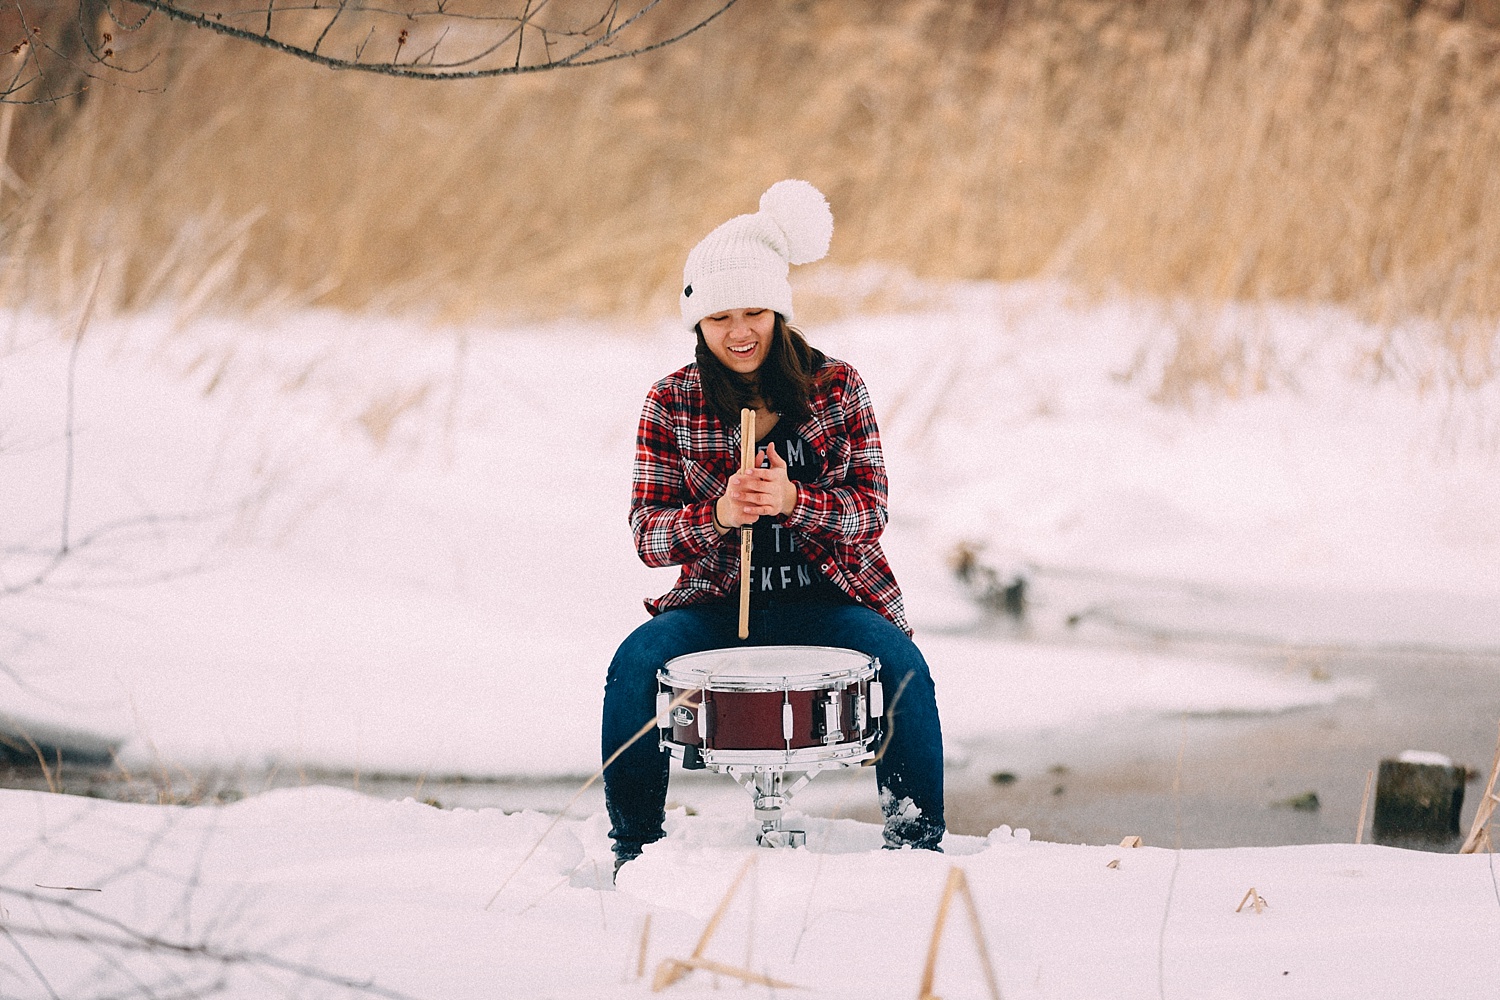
(816, 501)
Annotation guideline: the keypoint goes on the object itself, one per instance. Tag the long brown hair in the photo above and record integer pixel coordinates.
(783, 382)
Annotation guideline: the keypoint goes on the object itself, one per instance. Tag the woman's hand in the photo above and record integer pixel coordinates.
(757, 492)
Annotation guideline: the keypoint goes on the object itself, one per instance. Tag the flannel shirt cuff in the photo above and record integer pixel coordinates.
(701, 516)
(816, 512)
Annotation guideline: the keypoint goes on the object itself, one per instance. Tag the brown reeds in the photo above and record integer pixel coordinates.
(957, 885)
(1479, 831)
(1245, 150)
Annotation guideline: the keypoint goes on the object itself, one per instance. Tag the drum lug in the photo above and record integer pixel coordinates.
(877, 700)
(663, 710)
(833, 731)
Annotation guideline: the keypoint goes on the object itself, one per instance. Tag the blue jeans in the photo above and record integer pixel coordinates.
(910, 773)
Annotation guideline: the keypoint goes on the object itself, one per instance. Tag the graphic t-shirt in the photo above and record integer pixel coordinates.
(779, 569)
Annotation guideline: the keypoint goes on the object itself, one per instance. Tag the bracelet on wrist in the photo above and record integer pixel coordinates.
(714, 513)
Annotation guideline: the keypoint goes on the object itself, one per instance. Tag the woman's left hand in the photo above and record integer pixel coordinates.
(764, 491)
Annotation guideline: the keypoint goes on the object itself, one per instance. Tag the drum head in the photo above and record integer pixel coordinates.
(767, 668)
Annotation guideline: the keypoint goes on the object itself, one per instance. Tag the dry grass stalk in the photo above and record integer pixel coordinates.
(640, 960)
(52, 776)
(713, 923)
(956, 885)
(381, 413)
(1251, 150)
(7, 176)
(673, 970)
(1256, 900)
(1479, 831)
(1364, 807)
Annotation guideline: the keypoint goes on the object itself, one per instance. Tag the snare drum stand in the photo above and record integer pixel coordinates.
(764, 782)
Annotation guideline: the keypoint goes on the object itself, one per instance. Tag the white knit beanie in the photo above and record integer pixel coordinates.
(743, 264)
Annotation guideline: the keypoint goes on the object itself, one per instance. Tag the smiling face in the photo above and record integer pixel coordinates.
(739, 338)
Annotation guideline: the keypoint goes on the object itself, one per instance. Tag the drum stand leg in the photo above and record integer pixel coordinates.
(770, 799)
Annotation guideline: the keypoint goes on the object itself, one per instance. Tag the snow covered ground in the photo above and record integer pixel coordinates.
(404, 549)
(302, 892)
(332, 541)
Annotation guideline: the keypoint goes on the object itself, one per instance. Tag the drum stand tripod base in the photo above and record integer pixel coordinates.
(770, 799)
(781, 838)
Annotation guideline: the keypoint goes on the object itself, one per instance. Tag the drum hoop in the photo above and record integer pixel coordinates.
(790, 681)
(802, 758)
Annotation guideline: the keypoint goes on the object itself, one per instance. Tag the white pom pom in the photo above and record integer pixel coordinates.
(802, 214)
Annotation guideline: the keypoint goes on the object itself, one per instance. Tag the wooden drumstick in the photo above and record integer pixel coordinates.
(747, 462)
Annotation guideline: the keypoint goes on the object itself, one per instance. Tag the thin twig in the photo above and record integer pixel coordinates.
(1166, 910)
(812, 888)
(890, 722)
(83, 325)
(324, 34)
(583, 788)
(26, 957)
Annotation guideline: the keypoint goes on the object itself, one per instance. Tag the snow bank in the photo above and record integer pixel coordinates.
(306, 891)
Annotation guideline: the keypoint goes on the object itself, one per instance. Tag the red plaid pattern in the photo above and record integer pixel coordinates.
(684, 456)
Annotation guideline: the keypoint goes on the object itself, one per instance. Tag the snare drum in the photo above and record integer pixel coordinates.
(780, 706)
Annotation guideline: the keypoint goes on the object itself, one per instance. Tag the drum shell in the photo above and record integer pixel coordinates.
(752, 720)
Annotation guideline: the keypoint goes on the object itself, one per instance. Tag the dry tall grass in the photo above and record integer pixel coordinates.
(1239, 149)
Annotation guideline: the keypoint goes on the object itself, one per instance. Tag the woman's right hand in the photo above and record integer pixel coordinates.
(746, 499)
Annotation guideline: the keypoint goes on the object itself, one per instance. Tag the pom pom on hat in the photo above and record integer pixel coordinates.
(743, 264)
(802, 214)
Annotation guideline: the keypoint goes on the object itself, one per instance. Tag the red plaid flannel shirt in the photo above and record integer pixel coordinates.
(684, 456)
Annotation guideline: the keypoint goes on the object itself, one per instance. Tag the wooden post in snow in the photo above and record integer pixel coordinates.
(1418, 798)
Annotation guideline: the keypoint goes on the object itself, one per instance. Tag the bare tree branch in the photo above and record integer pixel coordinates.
(30, 962)
(493, 38)
(30, 74)
(109, 935)
(327, 27)
(545, 35)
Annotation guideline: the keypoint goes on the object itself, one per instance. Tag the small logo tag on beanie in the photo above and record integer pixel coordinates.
(688, 292)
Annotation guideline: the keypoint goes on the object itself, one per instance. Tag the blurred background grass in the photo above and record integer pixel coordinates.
(1332, 151)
